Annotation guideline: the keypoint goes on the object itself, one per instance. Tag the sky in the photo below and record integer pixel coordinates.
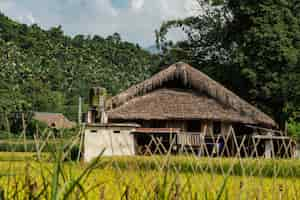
(135, 20)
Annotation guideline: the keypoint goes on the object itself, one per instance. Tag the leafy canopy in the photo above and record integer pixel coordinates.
(252, 47)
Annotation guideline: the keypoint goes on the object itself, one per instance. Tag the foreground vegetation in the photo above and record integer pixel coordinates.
(157, 177)
(53, 169)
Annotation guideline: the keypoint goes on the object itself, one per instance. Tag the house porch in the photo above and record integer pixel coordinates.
(149, 141)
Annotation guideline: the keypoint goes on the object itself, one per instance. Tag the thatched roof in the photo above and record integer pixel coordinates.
(208, 100)
(176, 104)
(54, 120)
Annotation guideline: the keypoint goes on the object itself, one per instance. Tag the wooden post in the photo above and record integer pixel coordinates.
(36, 138)
(268, 148)
(24, 131)
(204, 128)
(286, 129)
(225, 128)
(90, 117)
(79, 110)
(6, 115)
(297, 149)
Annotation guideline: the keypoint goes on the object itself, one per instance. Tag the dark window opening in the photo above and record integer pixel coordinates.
(241, 129)
(217, 127)
(117, 132)
(194, 126)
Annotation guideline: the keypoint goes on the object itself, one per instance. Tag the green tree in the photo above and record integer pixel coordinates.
(252, 47)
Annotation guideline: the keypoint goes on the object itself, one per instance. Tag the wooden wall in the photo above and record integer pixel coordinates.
(205, 126)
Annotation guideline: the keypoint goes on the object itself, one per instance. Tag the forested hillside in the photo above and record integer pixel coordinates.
(45, 70)
(251, 47)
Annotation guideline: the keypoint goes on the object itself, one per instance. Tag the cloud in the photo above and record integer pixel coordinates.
(137, 4)
(5, 5)
(27, 19)
(136, 23)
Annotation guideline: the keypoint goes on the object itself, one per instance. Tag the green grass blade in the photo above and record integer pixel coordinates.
(222, 189)
(55, 178)
(72, 184)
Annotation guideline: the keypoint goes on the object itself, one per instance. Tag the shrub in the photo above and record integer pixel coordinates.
(294, 128)
(29, 146)
(75, 153)
(35, 125)
(5, 135)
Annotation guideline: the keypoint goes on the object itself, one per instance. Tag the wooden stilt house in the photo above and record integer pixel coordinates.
(181, 106)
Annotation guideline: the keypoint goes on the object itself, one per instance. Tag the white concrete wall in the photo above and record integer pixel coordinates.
(113, 143)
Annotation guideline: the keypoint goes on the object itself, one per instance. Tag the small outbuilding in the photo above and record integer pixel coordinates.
(112, 139)
(54, 120)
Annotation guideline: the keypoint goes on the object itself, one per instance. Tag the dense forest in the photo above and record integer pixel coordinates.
(45, 70)
(253, 48)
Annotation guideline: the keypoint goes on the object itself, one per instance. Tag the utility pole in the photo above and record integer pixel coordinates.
(79, 110)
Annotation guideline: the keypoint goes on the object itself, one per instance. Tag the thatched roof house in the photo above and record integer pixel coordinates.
(54, 120)
(182, 108)
(181, 92)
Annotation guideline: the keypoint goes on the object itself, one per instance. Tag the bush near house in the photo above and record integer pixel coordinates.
(294, 128)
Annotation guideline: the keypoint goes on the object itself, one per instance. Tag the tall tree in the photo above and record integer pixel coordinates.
(267, 35)
(252, 47)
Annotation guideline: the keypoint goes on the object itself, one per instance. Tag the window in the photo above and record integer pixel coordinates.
(93, 131)
(117, 132)
(217, 127)
(194, 126)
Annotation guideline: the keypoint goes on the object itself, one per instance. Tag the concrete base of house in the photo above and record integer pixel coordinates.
(129, 140)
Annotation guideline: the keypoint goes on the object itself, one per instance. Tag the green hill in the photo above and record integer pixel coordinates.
(46, 70)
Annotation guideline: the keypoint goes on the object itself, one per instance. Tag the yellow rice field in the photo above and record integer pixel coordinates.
(110, 181)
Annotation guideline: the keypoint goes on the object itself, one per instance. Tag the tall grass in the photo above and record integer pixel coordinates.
(232, 166)
(58, 173)
(45, 176)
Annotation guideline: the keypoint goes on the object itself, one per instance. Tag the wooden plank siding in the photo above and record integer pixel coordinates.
(192, 139)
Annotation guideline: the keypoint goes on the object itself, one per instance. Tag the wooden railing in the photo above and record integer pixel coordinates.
(193, 139)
